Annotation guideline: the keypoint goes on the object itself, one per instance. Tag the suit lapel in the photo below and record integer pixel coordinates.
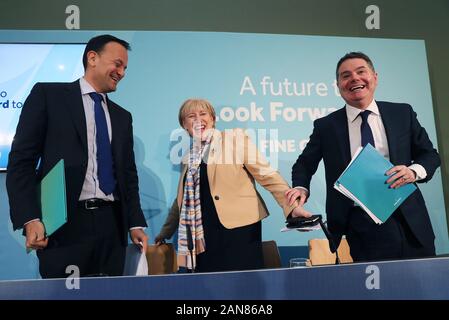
(115, 123)
(389, 125)
(342, 134)
(215, 152)
(74, 103)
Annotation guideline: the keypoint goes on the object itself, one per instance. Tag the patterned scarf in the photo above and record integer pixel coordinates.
(191, 206)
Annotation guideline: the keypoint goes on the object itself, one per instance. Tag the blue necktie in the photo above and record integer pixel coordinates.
(365, 129)
(104, 152)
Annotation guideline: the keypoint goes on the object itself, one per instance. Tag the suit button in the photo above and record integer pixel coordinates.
(217, 198)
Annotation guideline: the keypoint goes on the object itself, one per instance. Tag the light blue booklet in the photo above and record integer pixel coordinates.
(363, 181)
(53, 199)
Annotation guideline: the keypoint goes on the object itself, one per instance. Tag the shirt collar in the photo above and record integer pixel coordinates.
(353, 112)
(87, 88)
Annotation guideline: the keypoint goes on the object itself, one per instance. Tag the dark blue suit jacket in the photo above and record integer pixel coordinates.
(408, 143)
(52, 126)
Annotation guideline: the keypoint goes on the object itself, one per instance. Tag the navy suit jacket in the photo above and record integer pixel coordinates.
(52, 126)
(408, 143)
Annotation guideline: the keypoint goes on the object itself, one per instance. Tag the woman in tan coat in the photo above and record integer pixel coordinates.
(217, 202)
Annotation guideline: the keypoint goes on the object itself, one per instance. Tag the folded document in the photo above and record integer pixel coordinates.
(364, 182)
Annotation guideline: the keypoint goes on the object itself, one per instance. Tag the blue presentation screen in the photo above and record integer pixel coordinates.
(22, 65)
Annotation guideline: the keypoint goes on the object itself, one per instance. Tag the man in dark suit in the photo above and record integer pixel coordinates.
(395, 132)
(78, 123)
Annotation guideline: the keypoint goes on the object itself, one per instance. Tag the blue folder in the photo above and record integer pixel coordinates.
(53, 199)
(363, 181)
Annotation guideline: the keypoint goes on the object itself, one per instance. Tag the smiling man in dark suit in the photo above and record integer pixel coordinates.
(78, 123)
(395, 132)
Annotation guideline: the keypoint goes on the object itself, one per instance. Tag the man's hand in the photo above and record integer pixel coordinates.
(35, 235)
(299, 211)
(292, 195)
(159, 240)
(296, 193)
(402, 175)
(139, 237)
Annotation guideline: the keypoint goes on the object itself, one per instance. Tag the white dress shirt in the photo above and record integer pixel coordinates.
(91, 187)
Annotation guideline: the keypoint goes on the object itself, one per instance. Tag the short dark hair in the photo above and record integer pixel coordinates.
(355, 55)
(97, 44)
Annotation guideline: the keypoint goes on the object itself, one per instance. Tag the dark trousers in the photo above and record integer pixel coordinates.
(231, 249)
(389, 241)
(90, 241)
(226, 249)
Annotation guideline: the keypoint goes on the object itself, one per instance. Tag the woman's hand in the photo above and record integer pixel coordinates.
(292, 194)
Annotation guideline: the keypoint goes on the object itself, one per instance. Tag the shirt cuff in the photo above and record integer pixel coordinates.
(37, 219)
(134, 228)
(421, 173)
(305, 189)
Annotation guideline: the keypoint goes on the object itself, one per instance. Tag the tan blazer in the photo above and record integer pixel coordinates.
(233, 166)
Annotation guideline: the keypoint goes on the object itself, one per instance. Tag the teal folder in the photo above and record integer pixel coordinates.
(53, 199)
(363, 181)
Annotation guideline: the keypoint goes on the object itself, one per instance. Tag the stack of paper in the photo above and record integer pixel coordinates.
(364, 181)
(302, 229)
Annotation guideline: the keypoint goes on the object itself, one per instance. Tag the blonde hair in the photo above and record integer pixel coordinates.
(195, 104)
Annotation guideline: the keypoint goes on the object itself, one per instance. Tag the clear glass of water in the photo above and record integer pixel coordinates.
(299, 263)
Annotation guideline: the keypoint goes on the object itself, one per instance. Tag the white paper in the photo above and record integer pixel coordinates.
(303, 229)
(136, 261)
